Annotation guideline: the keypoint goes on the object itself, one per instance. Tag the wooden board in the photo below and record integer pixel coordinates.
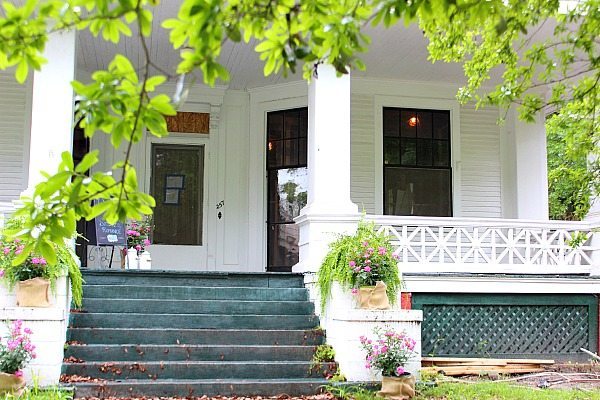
(487, 361)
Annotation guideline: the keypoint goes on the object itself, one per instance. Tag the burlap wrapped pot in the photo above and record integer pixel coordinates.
(11, 384)
(33, 293)
(373, 297)
(398, 387)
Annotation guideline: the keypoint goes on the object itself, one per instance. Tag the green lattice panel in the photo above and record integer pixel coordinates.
(479, 325)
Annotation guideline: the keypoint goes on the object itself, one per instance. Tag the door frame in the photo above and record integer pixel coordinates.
(186, 139)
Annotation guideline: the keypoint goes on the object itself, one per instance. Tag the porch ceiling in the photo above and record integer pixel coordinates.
(397, 53)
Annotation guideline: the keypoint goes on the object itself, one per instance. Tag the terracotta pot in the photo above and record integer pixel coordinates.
(9, 383)
(398, 387)
(33, 293)
(373, 297)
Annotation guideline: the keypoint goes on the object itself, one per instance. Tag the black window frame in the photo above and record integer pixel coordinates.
(416, 139)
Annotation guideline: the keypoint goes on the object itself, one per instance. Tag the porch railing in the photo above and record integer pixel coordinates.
(473, 245)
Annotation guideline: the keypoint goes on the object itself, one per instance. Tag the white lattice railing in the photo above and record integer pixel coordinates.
(426, 244)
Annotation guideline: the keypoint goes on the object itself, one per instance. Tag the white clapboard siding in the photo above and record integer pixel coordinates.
(14, 117)
(481, 179)
(362, 148)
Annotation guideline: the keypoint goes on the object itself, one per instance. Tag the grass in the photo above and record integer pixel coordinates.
(41, 394)
(474, 391)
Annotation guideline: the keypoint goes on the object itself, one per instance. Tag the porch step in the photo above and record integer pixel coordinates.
(197, 388)
(213, 337)
(190, 352)
(234, 307)
(149, 333)
(142, 279)
(93, 291)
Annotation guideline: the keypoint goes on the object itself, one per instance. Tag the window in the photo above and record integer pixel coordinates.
(417, 177)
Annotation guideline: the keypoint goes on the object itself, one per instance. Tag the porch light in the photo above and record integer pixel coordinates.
(413, 121)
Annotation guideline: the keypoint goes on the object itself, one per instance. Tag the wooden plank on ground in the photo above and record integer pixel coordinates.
(437, 360)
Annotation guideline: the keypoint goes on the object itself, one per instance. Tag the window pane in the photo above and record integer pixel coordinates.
(303, 148)
(303, 123)
(441, 125)
(391, 122)
(417, 191)
(424, 153)
(424, 124)
(408, 151)
(408, 124)
(275, 150)
(291, 124)
(275, 125)
(177, 184)
(391, 151)
(291, 152)
(441, 153)
(283, 246)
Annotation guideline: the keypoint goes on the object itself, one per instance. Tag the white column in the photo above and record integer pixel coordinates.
(531, 169)
(330, 209)
(52, 107)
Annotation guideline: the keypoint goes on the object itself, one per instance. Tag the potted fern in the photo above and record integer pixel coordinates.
(34, 278)
(364, 263)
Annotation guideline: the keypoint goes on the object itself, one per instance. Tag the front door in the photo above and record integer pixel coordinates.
(177, 184)
(287, 177)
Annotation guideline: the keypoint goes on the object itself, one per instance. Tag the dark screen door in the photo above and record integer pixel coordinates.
(287, 177)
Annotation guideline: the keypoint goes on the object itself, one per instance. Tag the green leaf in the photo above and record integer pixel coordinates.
(89, 160)
(22, 71)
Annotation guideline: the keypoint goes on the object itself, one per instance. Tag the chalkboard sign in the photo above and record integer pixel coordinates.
(101, 233)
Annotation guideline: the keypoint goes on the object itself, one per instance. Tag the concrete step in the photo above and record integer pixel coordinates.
(174, 336)
(195, 293)
(145, 352)
(176, 278)
(231, 307)
(200, 370)
(198, 321)
(196, 388)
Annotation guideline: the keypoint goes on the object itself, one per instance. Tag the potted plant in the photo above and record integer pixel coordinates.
(389, 353)
(365, 263)
(138, 239)
(16, 350)
(34, 276)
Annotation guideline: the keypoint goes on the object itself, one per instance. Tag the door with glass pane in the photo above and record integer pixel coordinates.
(287, 177)
(177, 184)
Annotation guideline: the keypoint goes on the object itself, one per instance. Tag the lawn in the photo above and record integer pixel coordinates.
(41, 394)
(500, 391)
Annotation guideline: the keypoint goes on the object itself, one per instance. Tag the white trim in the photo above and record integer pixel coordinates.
(493, 268)
(495, 284)
(424, 103)
(262, 101)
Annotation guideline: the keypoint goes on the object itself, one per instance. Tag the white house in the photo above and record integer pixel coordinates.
(261, 171)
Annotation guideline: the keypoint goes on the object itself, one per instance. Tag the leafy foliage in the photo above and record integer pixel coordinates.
(337, 263)
(17, 350)
(32, 266)
(390, 352)
(122, 101)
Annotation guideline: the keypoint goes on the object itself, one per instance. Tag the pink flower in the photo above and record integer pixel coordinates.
(384, 349)
(35, 260)
(354, 291)
(365, 243)
(6, 250)
(1, 273)
(367, 261)
(352, 264)
(367, 365)
(363, 339)
(370, 250)
(138, 247)
(146, 242)
(12, 345)
(42, 261)
(18, 374)
(18, 251)
(367, 269)
(400, 370)
(396, 256)
(382, 251)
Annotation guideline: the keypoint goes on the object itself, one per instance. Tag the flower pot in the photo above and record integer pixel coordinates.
(133, 260)
(33, 293)
(145, 260)
(398, 387)
(10, 383)
(373, 297)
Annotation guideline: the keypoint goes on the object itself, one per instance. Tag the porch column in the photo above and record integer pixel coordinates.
(329, 209)
(531, 169)
(52, 107)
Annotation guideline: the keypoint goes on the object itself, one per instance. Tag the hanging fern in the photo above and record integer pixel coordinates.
(347, 255)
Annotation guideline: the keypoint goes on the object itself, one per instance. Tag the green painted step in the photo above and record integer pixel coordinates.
(176, 278)
(199, 369)
(234, 307)
(102, 335)
(225, 321)
(195, 293)
(145, 353)
(196, 388)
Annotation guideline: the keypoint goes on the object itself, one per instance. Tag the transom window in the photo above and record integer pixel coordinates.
(417, 177)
